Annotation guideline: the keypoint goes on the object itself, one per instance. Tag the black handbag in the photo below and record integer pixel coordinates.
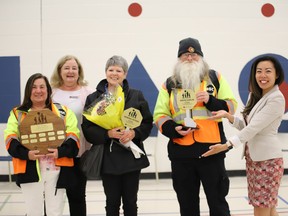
(91, 162)
(119, 160)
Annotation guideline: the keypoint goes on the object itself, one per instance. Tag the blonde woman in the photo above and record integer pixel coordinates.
(70, 89)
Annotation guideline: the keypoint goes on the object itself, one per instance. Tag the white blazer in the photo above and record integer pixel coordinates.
(261, 132)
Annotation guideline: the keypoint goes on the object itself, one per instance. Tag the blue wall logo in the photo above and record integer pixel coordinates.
(9, 85)
(243, 85)
(139, 79)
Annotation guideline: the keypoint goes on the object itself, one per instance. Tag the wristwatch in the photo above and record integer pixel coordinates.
(229, 145)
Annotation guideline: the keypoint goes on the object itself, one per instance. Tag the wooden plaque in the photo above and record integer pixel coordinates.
(42, 129)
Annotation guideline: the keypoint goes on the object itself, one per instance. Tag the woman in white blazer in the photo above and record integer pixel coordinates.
(262, 150)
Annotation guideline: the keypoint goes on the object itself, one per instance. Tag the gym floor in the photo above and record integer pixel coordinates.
(155, 198)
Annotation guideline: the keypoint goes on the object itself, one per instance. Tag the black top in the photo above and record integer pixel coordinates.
(117, 159)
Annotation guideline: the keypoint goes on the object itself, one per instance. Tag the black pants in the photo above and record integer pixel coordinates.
(123, 186)
(77, 195)
(187, 177)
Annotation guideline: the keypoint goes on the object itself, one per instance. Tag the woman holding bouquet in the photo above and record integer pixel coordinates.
(102, 125)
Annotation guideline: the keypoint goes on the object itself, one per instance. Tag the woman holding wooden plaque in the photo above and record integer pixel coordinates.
(43, 138)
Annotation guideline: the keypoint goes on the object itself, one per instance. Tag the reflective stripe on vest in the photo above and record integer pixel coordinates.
(161, 121)
(208, 131)
(20, 165)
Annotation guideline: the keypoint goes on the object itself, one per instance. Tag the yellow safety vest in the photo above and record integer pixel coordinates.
(167, 109)
(12, 132)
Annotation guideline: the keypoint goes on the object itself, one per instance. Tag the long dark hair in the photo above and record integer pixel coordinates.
(27, 103)
(254, 89)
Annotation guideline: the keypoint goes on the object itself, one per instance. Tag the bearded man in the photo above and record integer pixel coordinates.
(210, 92)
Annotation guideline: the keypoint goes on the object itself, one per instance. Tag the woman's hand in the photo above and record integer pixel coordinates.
(127, 136)
(222, 114)
(53, 152)
(215, 149)
(34, 155)
(115, 133)
(219, 114)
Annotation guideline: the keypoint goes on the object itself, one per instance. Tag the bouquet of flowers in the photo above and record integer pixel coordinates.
(107, 110)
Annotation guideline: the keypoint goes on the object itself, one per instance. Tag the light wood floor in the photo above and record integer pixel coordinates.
(155, 198)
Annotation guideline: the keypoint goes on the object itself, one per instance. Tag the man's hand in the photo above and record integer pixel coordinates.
(182, 131)
(202, 96)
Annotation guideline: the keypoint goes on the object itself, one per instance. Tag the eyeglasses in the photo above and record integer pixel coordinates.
(186, 55)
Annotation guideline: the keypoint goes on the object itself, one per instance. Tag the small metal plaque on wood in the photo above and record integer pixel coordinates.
(42, 129)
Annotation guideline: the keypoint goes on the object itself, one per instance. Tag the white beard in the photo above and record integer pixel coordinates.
(190, 74)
